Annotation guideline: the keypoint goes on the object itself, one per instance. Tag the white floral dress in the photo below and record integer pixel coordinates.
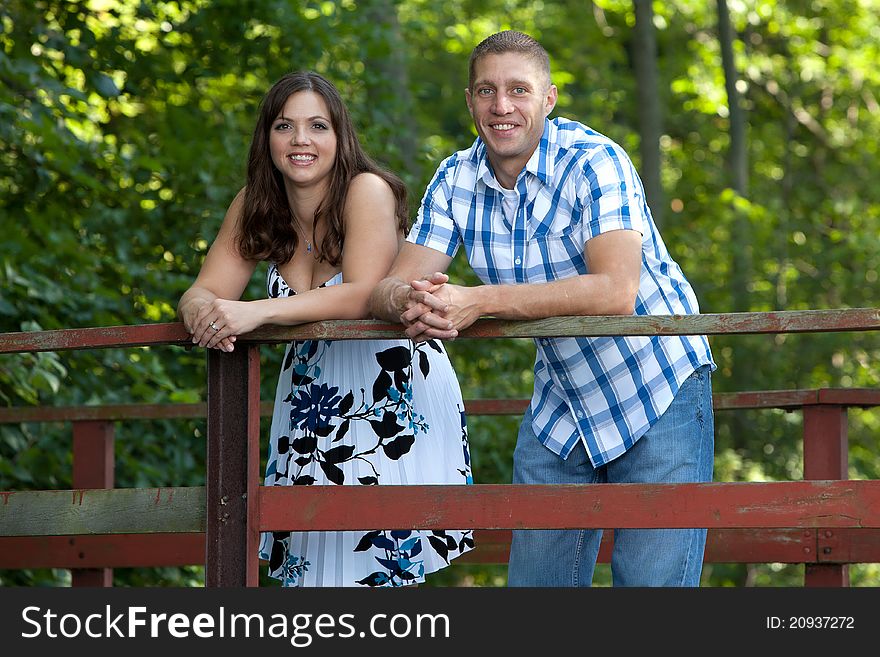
(364, 412)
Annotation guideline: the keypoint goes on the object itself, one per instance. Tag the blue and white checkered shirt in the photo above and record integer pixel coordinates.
(606, 392)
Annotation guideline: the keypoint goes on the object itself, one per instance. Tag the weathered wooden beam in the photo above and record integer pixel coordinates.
(104, 337)
(826, 456)
(114, 412)
(757, 399)
(864, 397)
(723, 401)
(232, 464)
(805, 504)
(254, 478)
(792, 321)
(103, 551)
(796, 399)
(847, 545)
(93, 458)
(841, 545)
(826, 575)
(799, 321)
(789, 321)
(769, 545)
(115, 511)
(93, 467)
(722, 546)
(826, 452)
(495, 406)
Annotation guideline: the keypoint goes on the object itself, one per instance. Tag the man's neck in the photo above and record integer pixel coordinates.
(507, 173)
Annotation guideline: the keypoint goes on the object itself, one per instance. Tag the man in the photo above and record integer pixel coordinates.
(553, 219)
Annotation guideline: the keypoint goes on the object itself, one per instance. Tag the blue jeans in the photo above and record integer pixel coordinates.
(678, 448)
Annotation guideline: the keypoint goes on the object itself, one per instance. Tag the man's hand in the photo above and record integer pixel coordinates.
(425, 310)
(391, 296)
(440, 311)
(420, 301)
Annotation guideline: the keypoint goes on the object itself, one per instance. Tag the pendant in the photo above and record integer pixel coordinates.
(308, 247)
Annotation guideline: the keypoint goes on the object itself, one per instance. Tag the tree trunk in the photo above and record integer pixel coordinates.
(738, 167)
(740, 243)
(649, 105)
(387, 81)
(738, 157)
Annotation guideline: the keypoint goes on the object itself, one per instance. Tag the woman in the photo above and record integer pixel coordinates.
(355, 412)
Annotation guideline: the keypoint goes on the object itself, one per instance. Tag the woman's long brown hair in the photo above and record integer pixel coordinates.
(267, 230)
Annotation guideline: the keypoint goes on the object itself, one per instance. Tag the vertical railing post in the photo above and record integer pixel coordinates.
(93, 467)
(233, 465)
(825, 457)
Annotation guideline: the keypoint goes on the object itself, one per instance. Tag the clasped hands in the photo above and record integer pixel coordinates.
(436, 309)
(215, 324)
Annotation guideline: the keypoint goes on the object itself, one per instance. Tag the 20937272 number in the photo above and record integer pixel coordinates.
(810, 623)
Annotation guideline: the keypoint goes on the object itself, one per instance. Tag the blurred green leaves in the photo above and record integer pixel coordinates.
(124, 128)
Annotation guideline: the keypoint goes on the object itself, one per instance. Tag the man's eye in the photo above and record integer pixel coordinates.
(484, 92)
(519, 90)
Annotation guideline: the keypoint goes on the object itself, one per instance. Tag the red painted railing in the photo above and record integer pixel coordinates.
(752, 522)
(92, 557)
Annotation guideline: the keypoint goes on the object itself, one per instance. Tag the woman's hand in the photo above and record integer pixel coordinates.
(217, 323)
(188, 311)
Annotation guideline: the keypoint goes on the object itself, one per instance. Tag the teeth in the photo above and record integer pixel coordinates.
(302, 158)
(503, 126)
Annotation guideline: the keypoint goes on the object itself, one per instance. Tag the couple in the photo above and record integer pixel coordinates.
(553, 219)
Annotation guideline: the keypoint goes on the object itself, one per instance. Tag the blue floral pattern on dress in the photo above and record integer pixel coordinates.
(321, 416)
(293, 569)
(319, 411)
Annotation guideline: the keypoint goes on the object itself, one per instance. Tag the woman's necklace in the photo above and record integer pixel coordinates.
(301, 234)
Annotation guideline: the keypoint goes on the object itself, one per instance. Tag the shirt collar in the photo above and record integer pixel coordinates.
(540, 164)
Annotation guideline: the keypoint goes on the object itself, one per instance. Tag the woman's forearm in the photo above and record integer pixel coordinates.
(343, 301)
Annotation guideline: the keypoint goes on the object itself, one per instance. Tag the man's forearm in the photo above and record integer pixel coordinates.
(582, 295)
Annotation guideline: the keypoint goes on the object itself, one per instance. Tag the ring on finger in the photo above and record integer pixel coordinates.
(214, 327)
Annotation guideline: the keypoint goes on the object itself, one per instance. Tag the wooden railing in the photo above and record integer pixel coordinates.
(92, 557)
(825, 524)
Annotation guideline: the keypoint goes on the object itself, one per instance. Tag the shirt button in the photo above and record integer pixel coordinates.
(545, 341)
(517, 261)
(580, 415)
(563, 377)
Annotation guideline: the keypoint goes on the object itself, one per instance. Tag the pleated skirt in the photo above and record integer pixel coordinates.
(364, 413)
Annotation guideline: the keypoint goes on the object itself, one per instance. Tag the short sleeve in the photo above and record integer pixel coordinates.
(610, 193)
(434, 225)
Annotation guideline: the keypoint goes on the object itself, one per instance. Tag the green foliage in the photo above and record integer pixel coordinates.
(123, 134)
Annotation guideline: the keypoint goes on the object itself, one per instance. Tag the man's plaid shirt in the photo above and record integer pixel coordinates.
(606, 392)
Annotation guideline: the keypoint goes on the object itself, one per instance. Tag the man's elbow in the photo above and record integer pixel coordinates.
(620, 308)
(622, 301)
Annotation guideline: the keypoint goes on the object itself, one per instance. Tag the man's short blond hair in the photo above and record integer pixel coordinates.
(509, 41)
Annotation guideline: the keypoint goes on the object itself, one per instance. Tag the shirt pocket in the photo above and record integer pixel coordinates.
(556, 254)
